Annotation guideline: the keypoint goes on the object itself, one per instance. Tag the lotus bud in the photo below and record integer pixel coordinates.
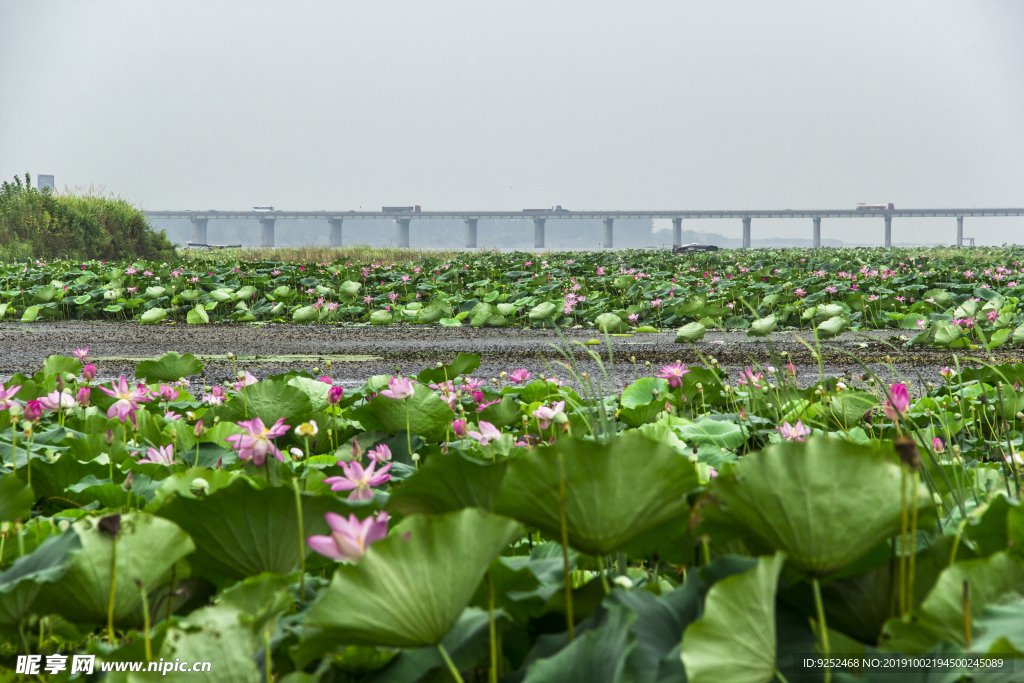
(415, 457)
(63, 525)
(33, 411)
(357, 451)
(906, 449)
(60, 382)
(334, 395)
(69, 377)
(327, 364)
(199, 429)
(109, 437)
(84, 395)
(110, 525)
(199, 487)
(129, 482)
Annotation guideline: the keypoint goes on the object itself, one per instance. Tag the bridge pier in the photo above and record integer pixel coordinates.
(334, 236)
(959, 232)
(403, 231)
(677, 232)
(888, 231)
(267, 232)
(471, 233)
(746, 233)
(538, 233)
(199, 230)
(608, 236)
(817, 232)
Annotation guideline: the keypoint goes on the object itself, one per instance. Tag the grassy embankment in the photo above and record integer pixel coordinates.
(41, 224)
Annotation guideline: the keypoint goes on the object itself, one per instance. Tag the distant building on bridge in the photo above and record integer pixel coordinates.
(45, 181)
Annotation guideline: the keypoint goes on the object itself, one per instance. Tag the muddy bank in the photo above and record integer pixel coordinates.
(358, 352)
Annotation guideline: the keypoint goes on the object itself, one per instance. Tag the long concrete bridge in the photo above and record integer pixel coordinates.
(403, 219)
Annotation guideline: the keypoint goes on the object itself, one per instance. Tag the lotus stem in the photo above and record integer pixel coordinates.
(408, 434)
(913, 542)
(302, 542)
(903, 542)
(569, 621)
(113, 588)
(170, 593)
(822, 626)
(451, 665)
(604, 574)
(967, 614)
(493, 674)
(268, 660)
(145, 619)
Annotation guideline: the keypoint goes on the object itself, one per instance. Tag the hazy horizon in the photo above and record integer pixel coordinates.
(591, 105)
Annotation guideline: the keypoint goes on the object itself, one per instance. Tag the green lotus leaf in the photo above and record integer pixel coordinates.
(21, 583)
(242, 531)
(614, 493)
(221, 296)
(446, 483)
(691, 332)
(762, 327)
(410, 588)
(599, 655)
(154, 292)
(16, 499)
(32, 312)
(721, 433)
(825, 503)
(379, 318)
(269, 400)
(147, 548)
(543, 311)
(946, 333)
(833, 327)
(609, 323)
(642, 391)
(429, 414)
(197, 316)
(169, 367)
(245, 293)
(735, 639)
(827, 311)
(305, 314)
(153, 315)
(464, 364)
(61, 365)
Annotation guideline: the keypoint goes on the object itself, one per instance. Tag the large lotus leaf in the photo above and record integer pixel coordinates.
(849, 407)
(243, 531)
(609, 323)
(153, 315)
(21, 583)
(270, 400)
(543, 311)
(946, 333)
(220, 634)
(410, 588)
(1000, 622)
(61, 365)
(16, 499)
(305, 314)
(197, 316)
(762, 327)
(147, 547)
(429, 414)
(379, 318)
(315, 390)
(169, 367)
(827, 311)
(597, 656)
(941, 616)
(613, 493)
(1018, 335)
(735, 640)
(641, 392)
(446, 483)
(721, 433)
(833, 327)
(464, 364)
(825, 503)
(51, 480)
(941, 297)
(691, 332)
(431, 314)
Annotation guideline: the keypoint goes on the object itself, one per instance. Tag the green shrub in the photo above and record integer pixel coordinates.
(42, 224)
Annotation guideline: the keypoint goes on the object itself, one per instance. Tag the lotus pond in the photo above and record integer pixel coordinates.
(695, 527)
(941, 297)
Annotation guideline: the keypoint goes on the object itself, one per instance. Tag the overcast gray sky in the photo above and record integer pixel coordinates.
(465, 105)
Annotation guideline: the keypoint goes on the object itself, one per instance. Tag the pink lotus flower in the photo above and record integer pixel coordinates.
(127, 399)
(80, 354)
(674, 374)
(946, 372)
(215, 397)
(89, 372)
(33, 411)
(546, 415)
(898, 402)
(247, 379)
(56, 400)
(460, 428)
(992, 315)
(256, 442)
(326, 380)
(6, 395)
(159, 456)
(358, 480)
(487, 433)
(399, 388)
(349, 537)
(633, 318)
(84, 395)
(381, 454)
(795, 432)
(165, 393)
(747, 376)
(334, 395)
(938, 446)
